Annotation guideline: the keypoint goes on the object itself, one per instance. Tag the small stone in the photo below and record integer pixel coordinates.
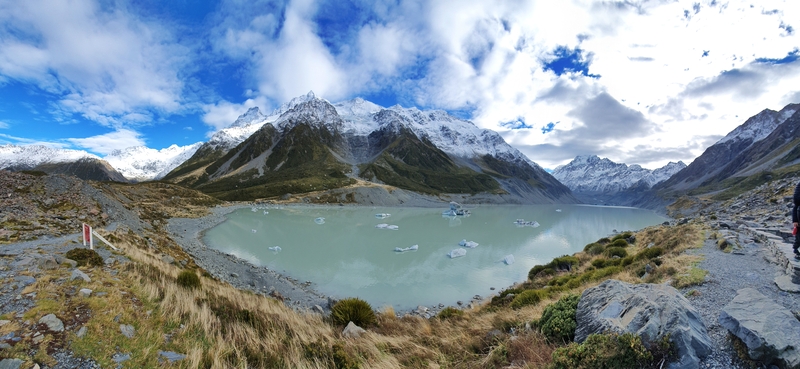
(167, 259)
(127, 330)
(353, 331)
(77, 274)
(81, 332)
(118, 358)
(10, 363)
(235, 275)
(318, 309)
(70, 262)
(52, 322)
(4, 322)
(37, 338)
(171, 356)
(84, 292)
(109, 261)
(47, 262)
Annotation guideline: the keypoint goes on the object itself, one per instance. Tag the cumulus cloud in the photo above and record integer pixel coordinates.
(223, 113)
(101, 62)
(106, 143)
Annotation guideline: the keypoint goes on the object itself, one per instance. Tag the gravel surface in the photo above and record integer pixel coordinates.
(728, 272)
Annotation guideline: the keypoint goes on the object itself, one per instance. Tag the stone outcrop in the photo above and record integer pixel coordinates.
(647, 310)
(770, 332)
(353, 331)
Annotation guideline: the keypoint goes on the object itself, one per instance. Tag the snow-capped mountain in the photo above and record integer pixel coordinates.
(140, 163)
(588, 174)
(28, 157)
(426, 151)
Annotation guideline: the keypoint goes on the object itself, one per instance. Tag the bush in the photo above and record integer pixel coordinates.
(534, 272)
(564, 262)
(627, 261)
(188, 279)
(616, 251)
(558, 319)
(353, 310)
(529, 297)
(594, 248)
(601, 351)
(618, 243)
(650, 253)
(450, 312)
(84, 257)
(622, 236)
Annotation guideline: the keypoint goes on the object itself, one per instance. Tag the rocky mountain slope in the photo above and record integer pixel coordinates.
(766, 142)
(310, 144)
(41, 158)
(601, 181)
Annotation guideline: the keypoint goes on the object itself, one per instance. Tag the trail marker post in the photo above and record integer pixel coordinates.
(87, 236)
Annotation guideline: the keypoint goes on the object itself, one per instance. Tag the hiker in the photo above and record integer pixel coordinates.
(795, 220)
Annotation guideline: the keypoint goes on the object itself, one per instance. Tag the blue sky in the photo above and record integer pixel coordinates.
(639, 82)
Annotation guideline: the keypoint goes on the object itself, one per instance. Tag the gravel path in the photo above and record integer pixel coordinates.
(727, 273)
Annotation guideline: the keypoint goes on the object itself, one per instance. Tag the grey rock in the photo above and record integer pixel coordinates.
(647, 310)
(171, 356)
(81, 332)
(24, 280)
(47, 262)
(318, 309)
(119, 358)
(10, 363)
(127, 330)
(770, 331)
(77, 274)
(70, 262)
(353, 331)
(85, 292)
(167, 259)
(109, 261)
(52, 322)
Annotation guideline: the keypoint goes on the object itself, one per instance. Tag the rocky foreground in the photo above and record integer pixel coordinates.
(750, 287)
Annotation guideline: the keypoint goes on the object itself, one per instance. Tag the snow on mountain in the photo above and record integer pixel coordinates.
(27, 157)
(592, 174)
(141, 163)
(759, 126)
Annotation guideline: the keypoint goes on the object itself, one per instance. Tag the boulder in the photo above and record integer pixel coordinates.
(77, 274)
(127, 330)
(52, 322)
(770, 331)
(11, 363)
(647, 310)
(353, 331)
(47, 262)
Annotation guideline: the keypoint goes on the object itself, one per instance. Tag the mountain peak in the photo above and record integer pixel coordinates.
(253, 115)
(590, 173)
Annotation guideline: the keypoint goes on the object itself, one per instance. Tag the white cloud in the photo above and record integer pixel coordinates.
(224, 113)
(102, 62)
(4, 125)
(106, 143)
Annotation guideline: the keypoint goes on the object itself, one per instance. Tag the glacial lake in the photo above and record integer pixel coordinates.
(347, 256)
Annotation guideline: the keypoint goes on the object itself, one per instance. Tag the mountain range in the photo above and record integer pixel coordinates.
(310, 144)
(599, 181)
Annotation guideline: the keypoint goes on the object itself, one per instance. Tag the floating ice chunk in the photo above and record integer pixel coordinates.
(558, 210)
(404, 249)
(254, 231)
(266, 212)
(524, 223)
(275, 248)
(254, 210)
(462, 242)
(469, 244)
(508, 259)
(392, 227)
(319, 220)
(381, 226)
(457, 253)
(382, 215)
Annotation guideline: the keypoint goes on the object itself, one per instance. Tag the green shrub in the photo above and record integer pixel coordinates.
(616, 251)
(558, 319)
(594, 249)
(565, 262)
(622, 236)
(650, 253)
(601, 351)
(605, 272)
(188, 279)
(85, 257)
(627, 261)
(618, 243)
(603, 241)
(353, 310)
(450, 312)
(534, 272)
(529, 297)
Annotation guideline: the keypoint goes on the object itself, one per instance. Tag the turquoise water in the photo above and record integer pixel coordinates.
(347, 256)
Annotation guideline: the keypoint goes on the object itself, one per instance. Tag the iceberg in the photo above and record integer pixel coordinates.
(254, 231)
(404, 249)
(469, 244)
(392, 227)
(457, 253)
(524, 223)
(275, 248)
(319, 220)
(381, 226)
(266, 212)
(508, 259)
(382, 215)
